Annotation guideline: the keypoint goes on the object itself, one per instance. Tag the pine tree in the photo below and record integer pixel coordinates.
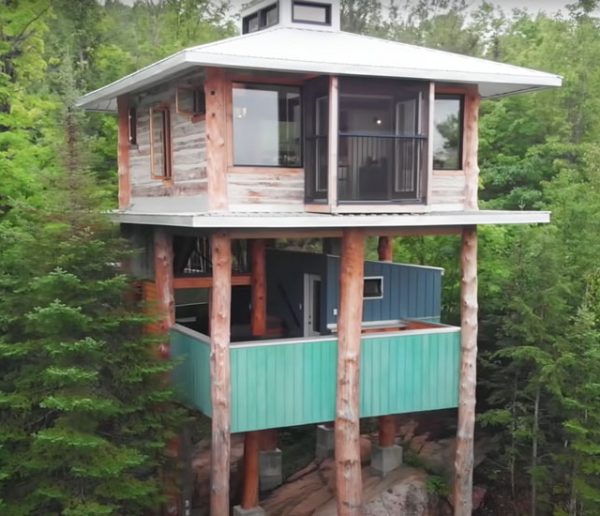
(85, 409)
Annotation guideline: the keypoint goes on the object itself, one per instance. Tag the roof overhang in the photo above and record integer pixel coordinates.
(304, 51)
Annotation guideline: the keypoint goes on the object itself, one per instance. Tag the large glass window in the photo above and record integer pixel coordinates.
(261, 19)
(447, 132)
(382, 144)
(267, 129)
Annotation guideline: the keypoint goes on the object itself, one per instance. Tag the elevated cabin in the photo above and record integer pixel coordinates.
(298, 130)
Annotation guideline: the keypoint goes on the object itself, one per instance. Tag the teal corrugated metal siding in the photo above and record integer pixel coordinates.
(280, 385)
(409, 373)
(191, 374)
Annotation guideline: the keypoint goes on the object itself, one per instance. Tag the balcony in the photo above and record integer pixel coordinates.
(290, 382)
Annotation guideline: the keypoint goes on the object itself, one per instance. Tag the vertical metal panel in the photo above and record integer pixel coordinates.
(191, 374)
(409, 374)
(282, 385)
(289, 384)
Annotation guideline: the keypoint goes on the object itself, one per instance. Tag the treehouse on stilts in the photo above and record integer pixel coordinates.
(297, 130)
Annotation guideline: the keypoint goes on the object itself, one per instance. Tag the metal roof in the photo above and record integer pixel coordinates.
(300, 220)
(304, 50)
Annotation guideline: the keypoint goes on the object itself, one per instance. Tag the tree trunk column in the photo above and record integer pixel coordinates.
(347, 420)
(220, 333)
(463, 465)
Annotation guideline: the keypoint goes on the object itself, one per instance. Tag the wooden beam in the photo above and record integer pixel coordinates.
(215, 90)
(207, 281)
(123, 153)
(163, 277)
(220, 333)
(472, 101)
(387, 424)
(258, 267)
(463, 464)
(347, 418)
(385, 249)
(250, 487)
(332, 163)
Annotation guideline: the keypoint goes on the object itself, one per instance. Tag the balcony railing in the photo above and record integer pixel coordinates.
(291, 382)
(372, 168)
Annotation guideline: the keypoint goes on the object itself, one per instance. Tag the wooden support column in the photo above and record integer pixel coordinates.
(163, 277)
(258, 268)
(250, 488)
(472, 101)
(216, 94)
(220, 333)
(463, 465)
(123, 153)
(347, 418)
(387, 424)
(258, 323)
(332, 162)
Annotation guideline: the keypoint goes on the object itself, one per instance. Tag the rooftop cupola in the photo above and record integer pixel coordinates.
(263, 14)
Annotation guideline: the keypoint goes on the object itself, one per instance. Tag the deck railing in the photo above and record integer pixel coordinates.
(291, 382)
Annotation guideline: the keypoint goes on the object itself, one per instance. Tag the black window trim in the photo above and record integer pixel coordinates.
(327, 7)
(461, 118)
(261, 15)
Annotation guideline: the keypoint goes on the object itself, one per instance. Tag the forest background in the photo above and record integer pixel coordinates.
(539, 288)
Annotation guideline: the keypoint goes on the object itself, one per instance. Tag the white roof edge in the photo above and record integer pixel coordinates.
(326, 221)
(211, 55)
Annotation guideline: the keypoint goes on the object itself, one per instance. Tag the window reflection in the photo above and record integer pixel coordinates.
(266, 125)
(447, 133)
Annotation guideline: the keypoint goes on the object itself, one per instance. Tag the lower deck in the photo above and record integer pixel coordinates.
(290, 382)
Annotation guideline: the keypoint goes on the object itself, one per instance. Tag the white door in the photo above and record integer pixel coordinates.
(312, 304)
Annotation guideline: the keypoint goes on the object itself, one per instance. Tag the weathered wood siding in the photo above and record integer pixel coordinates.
(259, 189)
(187, 150)
(447, 190)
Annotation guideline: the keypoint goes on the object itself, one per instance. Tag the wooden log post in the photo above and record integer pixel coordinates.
(347, 418)
(463, 464)
(123, 153)
(163, 277)
(258, 325)
(387, 424)
(258, 268)
(471, 166)
(220, 333)
(215, 90)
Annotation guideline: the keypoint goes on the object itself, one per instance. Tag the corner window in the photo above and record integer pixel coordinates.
(160, 143)
(447, 132)
(309, 12)
(261, 19)
(267, 127)
(373, 288)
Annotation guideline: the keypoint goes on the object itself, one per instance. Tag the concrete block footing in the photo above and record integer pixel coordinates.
(325, 442)
(254, 511)
(270, 471)
(385, 459)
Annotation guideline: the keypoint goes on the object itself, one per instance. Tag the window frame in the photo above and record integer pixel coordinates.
(236, 84)
(305, 3)
(461, 97)
(261, 16)
(198, 112)
(167, 172)
(371, 278)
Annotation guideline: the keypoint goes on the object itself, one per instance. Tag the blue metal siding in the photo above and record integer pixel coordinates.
(409, 292)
